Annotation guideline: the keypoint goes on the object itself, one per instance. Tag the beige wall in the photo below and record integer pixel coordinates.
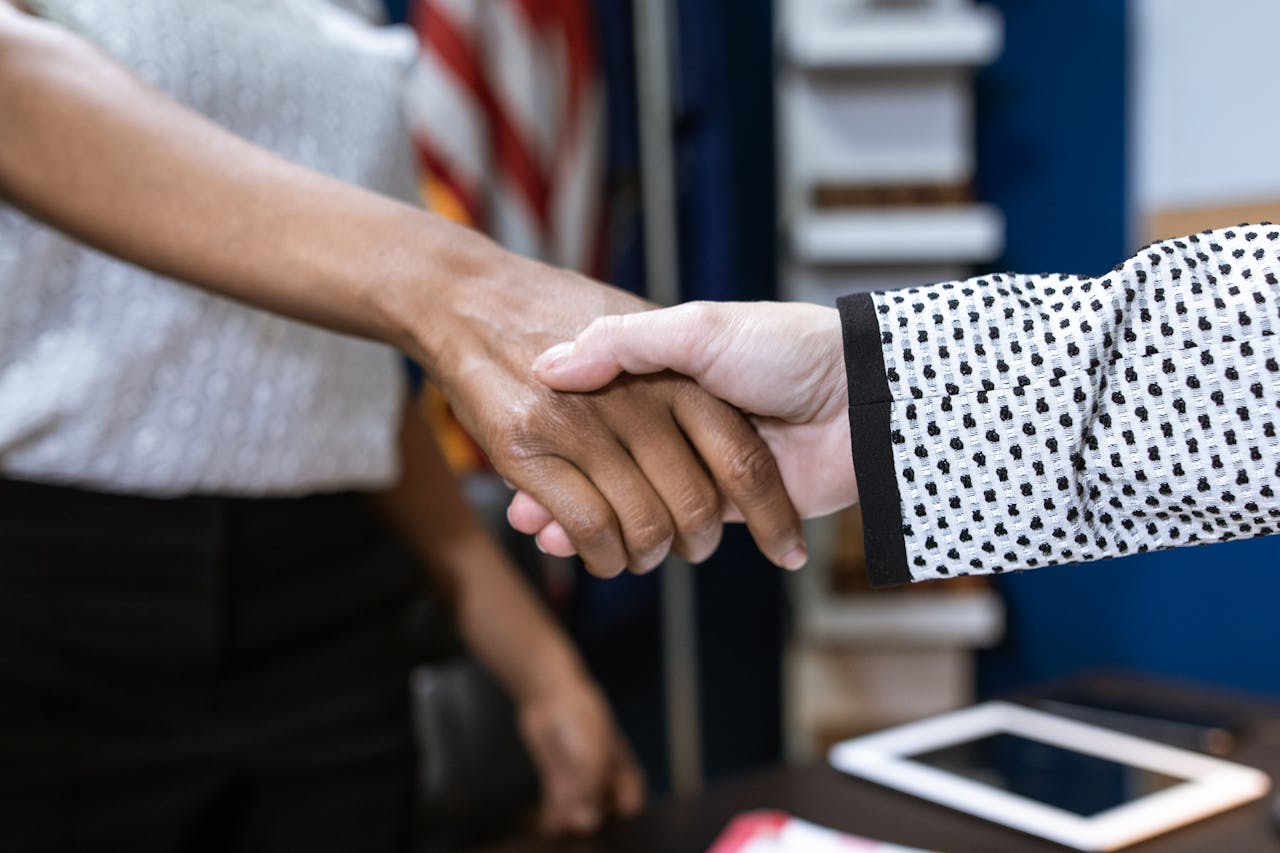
(1175, 222)
(1206, 141)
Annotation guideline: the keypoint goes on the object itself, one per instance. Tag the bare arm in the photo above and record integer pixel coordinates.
(92, 150)
(585, 767)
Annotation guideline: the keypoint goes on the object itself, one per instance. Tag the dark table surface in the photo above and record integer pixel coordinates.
(823, 795)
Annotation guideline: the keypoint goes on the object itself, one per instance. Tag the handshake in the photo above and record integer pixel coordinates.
(780, 364)
(683, 459)
(992, 420)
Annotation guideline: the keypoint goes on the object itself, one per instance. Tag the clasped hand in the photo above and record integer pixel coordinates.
(628, 469)
(780, 363)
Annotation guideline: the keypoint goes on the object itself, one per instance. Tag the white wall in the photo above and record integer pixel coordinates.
(1207, 102)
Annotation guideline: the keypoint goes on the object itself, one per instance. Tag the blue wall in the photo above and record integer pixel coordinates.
(397, 10)
(1052, 154)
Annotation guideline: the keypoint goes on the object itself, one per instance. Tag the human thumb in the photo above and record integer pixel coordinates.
(605, 348)
(644, 342)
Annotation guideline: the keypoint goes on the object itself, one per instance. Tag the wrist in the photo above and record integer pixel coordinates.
(552, 668)
(832, 376)
(486, 304)
(438, 277)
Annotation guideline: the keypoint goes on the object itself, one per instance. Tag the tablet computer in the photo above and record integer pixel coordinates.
(1080, 785)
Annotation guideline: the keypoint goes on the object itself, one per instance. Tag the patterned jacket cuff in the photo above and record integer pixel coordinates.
(869, 429)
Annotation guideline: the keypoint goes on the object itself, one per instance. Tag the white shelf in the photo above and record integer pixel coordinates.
(833, 38)
(953, 235)
(969, 619)
(872, 93)
(823, 285)
(875, 129)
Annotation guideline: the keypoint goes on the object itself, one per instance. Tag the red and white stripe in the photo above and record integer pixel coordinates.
(506, 107)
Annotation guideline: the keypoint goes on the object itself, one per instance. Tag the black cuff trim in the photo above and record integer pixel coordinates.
(869, 428)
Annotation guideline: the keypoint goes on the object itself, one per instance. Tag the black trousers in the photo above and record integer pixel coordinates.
(202, 674)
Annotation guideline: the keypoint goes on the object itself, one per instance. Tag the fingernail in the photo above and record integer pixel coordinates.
(795, 558)
(538, 545)
(554, 356)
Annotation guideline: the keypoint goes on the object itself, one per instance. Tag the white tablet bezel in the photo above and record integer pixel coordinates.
(1212, 785)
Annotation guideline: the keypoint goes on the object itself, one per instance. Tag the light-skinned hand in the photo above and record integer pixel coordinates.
(781, 363)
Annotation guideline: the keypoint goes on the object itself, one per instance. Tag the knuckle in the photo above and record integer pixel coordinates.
(591, 529)
(526, 432)
(603, 326)
(591, 332)
(708, 318)
(600, 331)
(700, 514)
(701, 312)
(515, 437)
(751, 471)
(652, 537)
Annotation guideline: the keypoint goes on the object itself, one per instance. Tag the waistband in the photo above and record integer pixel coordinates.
(314, 517)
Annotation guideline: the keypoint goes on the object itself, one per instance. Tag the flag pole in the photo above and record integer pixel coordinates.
(655, 55)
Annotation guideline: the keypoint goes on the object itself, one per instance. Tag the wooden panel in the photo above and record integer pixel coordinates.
(1163, 224)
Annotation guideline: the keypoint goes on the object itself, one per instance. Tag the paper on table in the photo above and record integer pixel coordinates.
(779, 832)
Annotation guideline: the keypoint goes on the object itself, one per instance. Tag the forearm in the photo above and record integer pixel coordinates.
(500, 619)
(1011, 422)
(503, 623)
(89, 148)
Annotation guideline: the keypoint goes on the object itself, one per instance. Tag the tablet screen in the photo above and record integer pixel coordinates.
(1073, 781)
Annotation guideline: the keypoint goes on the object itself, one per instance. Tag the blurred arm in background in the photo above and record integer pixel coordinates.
(584, 765)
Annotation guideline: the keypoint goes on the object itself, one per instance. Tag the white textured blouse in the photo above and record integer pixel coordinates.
(1016, 421)
(117, 379)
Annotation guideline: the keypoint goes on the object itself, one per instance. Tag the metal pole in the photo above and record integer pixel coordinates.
(654, 42)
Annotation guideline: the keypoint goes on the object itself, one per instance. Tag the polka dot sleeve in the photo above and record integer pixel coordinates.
(1011, 422)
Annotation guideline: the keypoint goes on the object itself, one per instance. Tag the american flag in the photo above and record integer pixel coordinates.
(506, 107)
